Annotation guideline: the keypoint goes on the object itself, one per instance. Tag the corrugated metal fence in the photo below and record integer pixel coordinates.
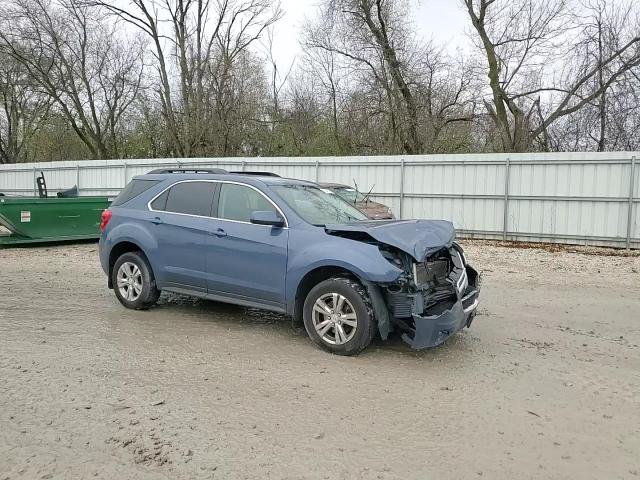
(583, 198)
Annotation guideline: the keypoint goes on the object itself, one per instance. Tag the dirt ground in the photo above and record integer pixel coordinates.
(545, 384)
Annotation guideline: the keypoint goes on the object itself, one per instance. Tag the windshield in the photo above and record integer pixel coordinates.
(349, 194)
(318, 206)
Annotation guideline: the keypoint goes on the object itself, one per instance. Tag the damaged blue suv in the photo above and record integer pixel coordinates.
(289, 246)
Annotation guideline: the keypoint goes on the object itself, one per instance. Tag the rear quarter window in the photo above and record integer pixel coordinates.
(160, 202)
(132, 190)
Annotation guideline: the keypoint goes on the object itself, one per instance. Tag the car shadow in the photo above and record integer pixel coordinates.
(209, 311)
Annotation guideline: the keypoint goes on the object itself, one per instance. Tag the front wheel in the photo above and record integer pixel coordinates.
(133, 281)
(338, 316)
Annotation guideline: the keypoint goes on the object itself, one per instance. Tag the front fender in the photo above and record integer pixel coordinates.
(306, 253)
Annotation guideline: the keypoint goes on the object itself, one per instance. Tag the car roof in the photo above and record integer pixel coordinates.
(249, 178)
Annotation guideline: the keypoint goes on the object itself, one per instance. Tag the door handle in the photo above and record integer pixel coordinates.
(220, 233)
(156, 221)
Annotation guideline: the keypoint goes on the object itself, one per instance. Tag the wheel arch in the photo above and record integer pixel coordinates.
(312, 278)
(119, 249)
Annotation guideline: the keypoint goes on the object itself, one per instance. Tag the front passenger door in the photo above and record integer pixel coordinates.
(246, 261)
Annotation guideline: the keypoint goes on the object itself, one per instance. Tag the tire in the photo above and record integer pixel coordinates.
(142, 289)
(347, 331)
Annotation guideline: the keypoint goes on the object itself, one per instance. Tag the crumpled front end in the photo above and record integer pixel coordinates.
(438, 323)
(435, 299)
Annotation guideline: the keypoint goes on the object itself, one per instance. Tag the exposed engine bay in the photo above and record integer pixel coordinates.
(430, 289)
(441, 278)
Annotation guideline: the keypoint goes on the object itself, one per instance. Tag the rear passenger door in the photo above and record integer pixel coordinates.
(246, 261)
(181, 223)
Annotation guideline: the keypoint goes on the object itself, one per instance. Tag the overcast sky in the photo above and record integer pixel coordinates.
(442, 20)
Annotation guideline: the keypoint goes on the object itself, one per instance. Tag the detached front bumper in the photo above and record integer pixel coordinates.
(443, 320)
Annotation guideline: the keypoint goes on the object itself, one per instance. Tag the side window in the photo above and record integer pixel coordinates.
(238, 202)
(193, 198)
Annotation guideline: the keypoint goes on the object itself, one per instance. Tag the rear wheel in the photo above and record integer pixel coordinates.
(133, 281)
(338, 316)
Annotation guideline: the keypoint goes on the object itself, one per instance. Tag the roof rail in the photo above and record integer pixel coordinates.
(189, 170)
(255, 173)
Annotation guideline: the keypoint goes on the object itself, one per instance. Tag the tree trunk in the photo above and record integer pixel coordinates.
(412, 144)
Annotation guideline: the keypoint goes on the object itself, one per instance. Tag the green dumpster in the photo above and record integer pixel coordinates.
(32, 219)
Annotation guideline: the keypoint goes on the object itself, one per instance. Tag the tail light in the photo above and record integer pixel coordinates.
(106, 216)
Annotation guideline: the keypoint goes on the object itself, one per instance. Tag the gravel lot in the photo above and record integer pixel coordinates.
(545, 384)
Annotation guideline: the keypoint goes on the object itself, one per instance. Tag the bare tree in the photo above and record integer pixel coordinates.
(277, 81)
(406, 83)
(445, 93)
(623, 110)
(200, 77)
(202, 38)
(605, 25)
(326, 68)
(23, 111)
(523, 42)
(372, 33)
(75, 59)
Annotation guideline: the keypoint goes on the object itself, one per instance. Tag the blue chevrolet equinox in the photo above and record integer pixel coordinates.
(289, 246)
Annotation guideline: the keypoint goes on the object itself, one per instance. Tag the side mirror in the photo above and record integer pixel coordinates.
(267, 217)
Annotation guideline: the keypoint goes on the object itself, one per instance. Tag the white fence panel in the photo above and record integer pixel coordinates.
(584, 198)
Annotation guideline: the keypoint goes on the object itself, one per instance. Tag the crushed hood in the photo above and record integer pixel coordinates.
(419, 238)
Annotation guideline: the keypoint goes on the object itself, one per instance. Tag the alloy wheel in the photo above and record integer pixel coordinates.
(334, 318)
(129, 280)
